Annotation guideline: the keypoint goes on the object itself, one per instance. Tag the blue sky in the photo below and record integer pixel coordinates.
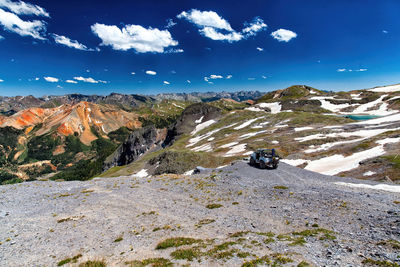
(93, 47)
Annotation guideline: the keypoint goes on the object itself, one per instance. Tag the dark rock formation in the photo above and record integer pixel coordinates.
(187, 121)
(138, 143)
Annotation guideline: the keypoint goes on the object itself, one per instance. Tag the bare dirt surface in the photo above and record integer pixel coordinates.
(283, 217)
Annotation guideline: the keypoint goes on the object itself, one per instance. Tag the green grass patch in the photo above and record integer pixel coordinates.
(69, 260)
(372, 262)
(177, 242)
(155, 262)
(214, 206)
(94, 263)
(281, 187)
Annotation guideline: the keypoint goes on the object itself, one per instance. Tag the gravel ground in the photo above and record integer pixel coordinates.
(123, 219)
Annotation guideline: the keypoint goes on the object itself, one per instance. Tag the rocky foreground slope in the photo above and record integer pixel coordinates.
(232, 216)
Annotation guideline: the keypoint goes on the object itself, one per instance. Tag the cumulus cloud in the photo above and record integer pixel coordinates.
(165, 82)
(263, 76)
(135, 37)
(213, 26)
(1, 80)
(251, 29)
(170, 23)
(89, 80)
(173, 51)
(59, 86)
(384, 31)
(11, 22)
(71, 81)
(151, 72)
(63, 40)
(51, 79)
(260, 49)
(22, 8)
(283, 35)
(188, 81)
(1, 37)
(362, 70)
(133, 73)
(215, 77)
(37, 79)
(213, 34)
(205, 19)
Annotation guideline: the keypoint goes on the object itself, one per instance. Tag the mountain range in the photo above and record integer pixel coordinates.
(76, 137)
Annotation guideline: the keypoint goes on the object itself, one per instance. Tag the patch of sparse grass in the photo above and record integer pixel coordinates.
(205, 221)
(94, 263)
(396, 202)
(118, 239)
(155, 262)
(214, 206)
(69, 260)
(394, 244)
(239, 234)
(372, 262)
(64, 220)
(258, 261)
(235, 203)
(186, 254)
(87, 191)
(281, 187)
(177, 242)
(269, 240)
(303, 264)
(299, 241)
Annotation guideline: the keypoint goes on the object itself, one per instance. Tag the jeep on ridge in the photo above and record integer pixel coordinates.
(264, 158)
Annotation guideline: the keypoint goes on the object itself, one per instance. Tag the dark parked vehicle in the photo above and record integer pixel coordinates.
(264, 158)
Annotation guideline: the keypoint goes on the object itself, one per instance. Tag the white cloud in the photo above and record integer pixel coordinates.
(174, 51)
(229, 76)
(251, 79)
(170, 23)
(89, 80)
(188, 81)
(135, 37)
(13, 23)
(384, 31)
(37, 79)
(206, 79)
(205, 19)
(213, 34)
(263, 76)
(22, 8)
(1, 37)
(260, 49)
(150, 72)
(213, 76)
(1, 80)
(213, 26)
(283, 35)
(133, 73)
(165, 82)
(51, 79)
(71, 81)
(59, 86)
(59, 39)
(350, 70)
(254, 27)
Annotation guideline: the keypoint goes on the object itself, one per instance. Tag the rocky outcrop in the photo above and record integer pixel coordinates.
(139, 142)
(190, 117)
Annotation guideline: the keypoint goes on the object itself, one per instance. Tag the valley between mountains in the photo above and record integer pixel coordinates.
(112, 179)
